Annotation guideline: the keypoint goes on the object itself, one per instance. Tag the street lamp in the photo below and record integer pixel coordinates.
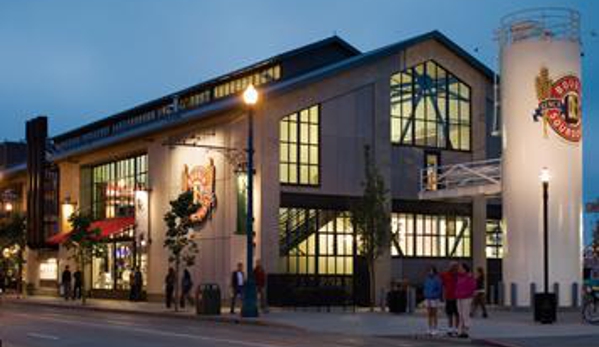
(545, 304)
(545, 177)
(250, 307)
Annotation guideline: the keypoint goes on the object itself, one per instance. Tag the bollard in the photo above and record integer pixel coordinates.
(501, 294)
(556, 291)
(533, 291)
(575, 293)
(513, 295)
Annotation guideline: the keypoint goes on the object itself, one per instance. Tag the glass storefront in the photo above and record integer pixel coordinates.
(114, 186)
(428, 235)
(316, 241)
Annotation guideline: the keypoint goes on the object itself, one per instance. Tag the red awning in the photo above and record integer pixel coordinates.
(108, 227)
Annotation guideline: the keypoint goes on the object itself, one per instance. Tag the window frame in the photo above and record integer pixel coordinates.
(447, 135)
(298, 145)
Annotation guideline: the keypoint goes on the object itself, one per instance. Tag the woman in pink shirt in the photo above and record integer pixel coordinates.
(464, 292)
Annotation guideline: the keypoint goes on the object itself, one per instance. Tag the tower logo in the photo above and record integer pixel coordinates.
(559, 105)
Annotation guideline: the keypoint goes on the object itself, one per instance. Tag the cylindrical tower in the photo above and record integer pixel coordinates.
(541, 127)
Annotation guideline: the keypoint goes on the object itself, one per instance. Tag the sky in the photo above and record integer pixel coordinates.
(79, 61)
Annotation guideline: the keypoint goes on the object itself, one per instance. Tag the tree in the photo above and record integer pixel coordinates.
(85, 244)
(13, 239)
(371, 220)
(179, 224)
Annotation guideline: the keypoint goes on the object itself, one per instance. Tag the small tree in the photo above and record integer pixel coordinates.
(179, 224)
(13, 237)
(85, 244)
(370, 218)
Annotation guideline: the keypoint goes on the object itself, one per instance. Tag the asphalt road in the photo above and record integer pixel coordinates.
(29, 326)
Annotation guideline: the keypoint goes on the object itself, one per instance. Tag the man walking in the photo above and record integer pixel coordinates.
(260, 277)
(66, 280)
(237, 282)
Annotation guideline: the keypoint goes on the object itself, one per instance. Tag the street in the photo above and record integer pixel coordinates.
(29, 326)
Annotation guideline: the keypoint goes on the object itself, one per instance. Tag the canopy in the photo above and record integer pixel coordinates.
(108, 227)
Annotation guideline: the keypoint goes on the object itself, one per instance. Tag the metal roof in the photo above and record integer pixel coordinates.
(277, 87)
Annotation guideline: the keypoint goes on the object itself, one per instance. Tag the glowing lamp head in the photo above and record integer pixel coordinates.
(250, 95)
(8, 207)
(545, 176)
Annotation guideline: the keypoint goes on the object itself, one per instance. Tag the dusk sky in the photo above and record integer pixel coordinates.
(80, 61)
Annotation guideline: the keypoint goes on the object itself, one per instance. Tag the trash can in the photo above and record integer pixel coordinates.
(545, 310)
(208, 299)
(397, 301)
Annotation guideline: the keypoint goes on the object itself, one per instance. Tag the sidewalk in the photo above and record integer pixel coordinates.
(502, 325)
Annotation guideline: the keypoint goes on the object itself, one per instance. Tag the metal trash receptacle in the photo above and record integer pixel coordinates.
(208, 299)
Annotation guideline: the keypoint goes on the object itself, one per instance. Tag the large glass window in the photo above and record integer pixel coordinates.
(430, 107)
(316, 241)
(114, 185)
(494, 239)
(429, 235)
(299, 147)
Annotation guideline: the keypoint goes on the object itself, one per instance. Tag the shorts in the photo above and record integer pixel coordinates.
(431, 303)
(451, 307)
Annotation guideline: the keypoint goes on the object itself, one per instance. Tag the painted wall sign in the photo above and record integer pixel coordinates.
(559, 105)
(201, 181)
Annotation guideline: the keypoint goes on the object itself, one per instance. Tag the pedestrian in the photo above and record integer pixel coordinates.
(169, 286)
(433, 292)
(480, 296)
(260, 278)
(138, 282)
(78, 284)
(449, 279)
(186, 287)
(132, 288)
(237, 282)
(66, 280)
(464, 292)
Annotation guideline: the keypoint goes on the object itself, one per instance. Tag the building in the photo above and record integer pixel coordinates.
(420, 103)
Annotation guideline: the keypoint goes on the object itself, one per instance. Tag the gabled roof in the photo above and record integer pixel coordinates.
(281, 86)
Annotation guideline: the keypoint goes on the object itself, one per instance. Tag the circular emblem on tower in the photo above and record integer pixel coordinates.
(559, 105)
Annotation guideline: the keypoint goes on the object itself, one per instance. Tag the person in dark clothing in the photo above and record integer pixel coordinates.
(66, 280)
(169, 283)
(260, 278)
(78, 284)
(237, 282)
(186, 286)
(480, 297)
(138, 283)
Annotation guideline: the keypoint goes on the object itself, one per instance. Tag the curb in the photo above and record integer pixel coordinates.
(215, 319)
(493, 343)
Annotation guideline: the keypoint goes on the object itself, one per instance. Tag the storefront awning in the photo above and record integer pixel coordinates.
(108, 227)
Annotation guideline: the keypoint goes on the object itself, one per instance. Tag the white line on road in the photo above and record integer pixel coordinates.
(43, 336)
(146, 331)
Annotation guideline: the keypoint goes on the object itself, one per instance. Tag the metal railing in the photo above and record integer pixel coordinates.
(476, 173)
(540, 24)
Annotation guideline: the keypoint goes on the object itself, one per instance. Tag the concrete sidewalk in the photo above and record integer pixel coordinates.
(502, 326)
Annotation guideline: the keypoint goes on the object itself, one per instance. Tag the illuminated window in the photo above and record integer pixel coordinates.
(114, 185)
(316, 241)
(424, 235)
(299, 147)
(237, 85)
(494, 239)
(430, 107)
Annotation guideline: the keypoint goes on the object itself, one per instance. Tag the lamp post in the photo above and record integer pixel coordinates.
(545, 304)
(545, 177)
(250, 307)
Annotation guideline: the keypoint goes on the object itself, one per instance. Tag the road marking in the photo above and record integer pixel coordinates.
(43, 336)
(144, 331)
